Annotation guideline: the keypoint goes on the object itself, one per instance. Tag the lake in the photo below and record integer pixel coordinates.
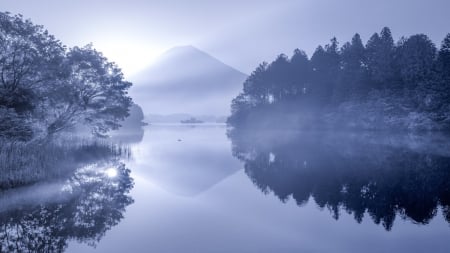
(204, 188)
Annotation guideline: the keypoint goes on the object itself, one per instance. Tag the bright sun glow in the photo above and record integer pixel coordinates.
(130, 56)
(111, 172)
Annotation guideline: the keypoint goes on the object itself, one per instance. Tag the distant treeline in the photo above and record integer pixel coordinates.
(380, 85)
(46, 88)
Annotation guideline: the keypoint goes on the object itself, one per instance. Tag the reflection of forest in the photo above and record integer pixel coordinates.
(379, 175)
(88, 205)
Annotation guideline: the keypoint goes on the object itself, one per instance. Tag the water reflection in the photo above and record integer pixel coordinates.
(43, 218)
(185, 160)
(383, 177)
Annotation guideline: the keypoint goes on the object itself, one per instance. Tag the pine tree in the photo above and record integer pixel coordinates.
(443, 60)
(279, 76)
(415, 60)
(256, 87)
(437, 89)
(301, 73)
(352, 71)
(380, 61)
(325, 69)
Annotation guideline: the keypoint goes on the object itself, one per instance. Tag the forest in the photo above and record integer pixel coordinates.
(382, 85)
(48, 93)
(46, 88)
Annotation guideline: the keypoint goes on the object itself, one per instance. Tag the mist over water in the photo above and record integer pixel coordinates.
(343, 147)
(216, 188)
(185, 160)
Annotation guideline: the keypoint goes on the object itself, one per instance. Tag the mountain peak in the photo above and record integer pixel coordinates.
(182, 51)
(192, 55)
(183, 80)
(183, 48)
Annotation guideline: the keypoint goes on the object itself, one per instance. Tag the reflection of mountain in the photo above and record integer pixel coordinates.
(187, 80)
(186, 160)
(83, 209)
(358, 174)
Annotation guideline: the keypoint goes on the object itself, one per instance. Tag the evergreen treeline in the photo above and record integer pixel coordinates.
(380, 85)
(46, 88)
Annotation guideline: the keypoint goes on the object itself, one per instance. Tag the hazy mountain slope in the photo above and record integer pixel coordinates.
(187, 80)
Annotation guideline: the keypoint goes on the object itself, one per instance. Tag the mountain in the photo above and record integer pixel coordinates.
(186, 80)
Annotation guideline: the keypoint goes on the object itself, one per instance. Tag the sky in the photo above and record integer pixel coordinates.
(240, 33)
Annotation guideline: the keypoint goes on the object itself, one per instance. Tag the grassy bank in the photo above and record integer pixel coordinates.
(24, 163)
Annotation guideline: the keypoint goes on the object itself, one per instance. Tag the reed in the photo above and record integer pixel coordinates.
(23, 163)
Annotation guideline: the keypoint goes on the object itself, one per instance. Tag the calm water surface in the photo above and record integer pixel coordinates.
(201, 189)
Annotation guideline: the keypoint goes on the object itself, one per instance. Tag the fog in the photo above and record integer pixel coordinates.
(205, 126)
(241, 34)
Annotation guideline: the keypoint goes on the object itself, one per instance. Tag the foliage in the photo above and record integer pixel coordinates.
(53, 88)
(380, 85)
(83, 208)
(13, 125)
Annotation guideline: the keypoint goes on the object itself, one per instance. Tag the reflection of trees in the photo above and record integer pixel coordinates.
(89, 204)
(28, 163)
(348, 173)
